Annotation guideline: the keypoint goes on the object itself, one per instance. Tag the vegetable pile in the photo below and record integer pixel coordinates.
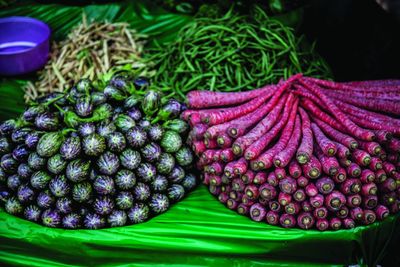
(90, 51)
(232, 53)
(305, 152)
(93, 159)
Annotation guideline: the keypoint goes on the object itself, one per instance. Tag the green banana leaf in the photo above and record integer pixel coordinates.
(198, 231)
(160, 25)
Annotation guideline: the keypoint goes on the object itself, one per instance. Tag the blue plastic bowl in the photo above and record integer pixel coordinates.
(24, 45)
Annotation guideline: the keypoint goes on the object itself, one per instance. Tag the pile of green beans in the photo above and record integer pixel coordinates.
(232, 53)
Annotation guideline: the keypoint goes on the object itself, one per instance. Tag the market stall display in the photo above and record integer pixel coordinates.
(305, 152)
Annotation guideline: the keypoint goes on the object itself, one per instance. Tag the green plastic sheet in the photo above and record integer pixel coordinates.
(197, 231)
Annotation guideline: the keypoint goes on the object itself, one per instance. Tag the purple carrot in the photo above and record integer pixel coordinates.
(260, 178)
(257, 212)
(287, 221)
(224, 141)
(325, 185)
(369, 217)
(248, 177)
(215, 180)
(353, 170)
(311, 190)
(380, 176)
(389, 168)
(320, 213)
(367, 176)
(357, 214)
(262, 127)
(322, 224)
(284, 198)
(198, 131)
(292, 208)
(280, 173)
(305, 150)
(335, 200)
(267, 192)
(246, 201)
(340, 176)
(335, 223)
(272, 179)
(286, 122)
(232, 204)
(376, 164)
(227, 155)
(272, 217)
(238, 185)
(370, 202)
(294, 169)
(354, 200)
(283, 158)
(327, 146)
(198, 147)
(389, 185)
(344, 162)
(343, 212)
(369, 189)
(299, 195)
(223, 197)
(349, 223)
(338, 114)
(351, 186)
(342, 151)
(381, 212)
(288, 185)
(329, 164)
(274, 206)
(317, 201)
(302, 181)
(251, 191)
(372, 148)
(361, 157)
(214, 190)
(313, 168)
(336, 135)
(243, 209)
(205, 99)
(306, 206)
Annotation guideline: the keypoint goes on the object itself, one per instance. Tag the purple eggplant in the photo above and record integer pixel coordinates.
(25, 194)
(32, 112)
(176, 192)
(8, 126)
(20, 153)
(78, 170)
(177, 175)
(82, 192)
(71, 148)
(13, 182)
(104, 185)
(124, 123)
(159, 203)
(141, 192)
(8, 163)
(56, 164)
(84, 106)
(32, 213)
(165, 163)
(146, 172)
(94, 145)
(136, 137)
(86, 129)
(36, 162)
(160, 183)
(139, 213)
(19, 135)
(103, 205)
(59, 186)
(116, 142)
(64, 205)
(117, 218)
(125, 179)
(170, 110)
(108, 163)
(51, 218)
(72, 221)
(5, 146)
(45, 200)
(130, 159)
(40, 179)
(13, 206)
(106, 128)
(47, 121)
(124, 200)
(24, 171)
(94, 221)
(155, 132)
(151, 152)
(189, 182)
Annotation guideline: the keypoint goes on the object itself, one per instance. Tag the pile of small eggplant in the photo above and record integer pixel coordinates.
(95, 158)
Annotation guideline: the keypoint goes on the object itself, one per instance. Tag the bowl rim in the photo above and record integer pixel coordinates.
(30, 20)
